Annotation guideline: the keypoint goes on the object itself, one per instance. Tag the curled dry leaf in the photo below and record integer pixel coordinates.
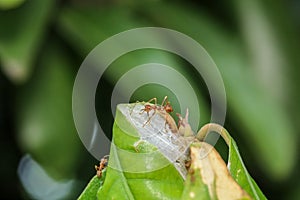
(208, 167)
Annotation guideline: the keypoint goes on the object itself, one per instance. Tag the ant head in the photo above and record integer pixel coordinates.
(168, 107)
(105, 163)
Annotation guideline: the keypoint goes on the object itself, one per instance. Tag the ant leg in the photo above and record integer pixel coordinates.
(105, 159)
(153, 99)
(131, 110)
(149, 119)
(142, 111)
(146, 110)
(165, 98)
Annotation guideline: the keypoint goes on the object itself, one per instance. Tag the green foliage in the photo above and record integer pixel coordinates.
(250, 103)
(246, 97)
(22, 36)
(254, 44)
(90, 192)
(164, 183)
(240, 173)
(9, 4)
(235, 164)
(195, 184)
(45, 115)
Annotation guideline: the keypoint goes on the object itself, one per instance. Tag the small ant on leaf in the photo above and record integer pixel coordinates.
(103, 164)
(165, 108)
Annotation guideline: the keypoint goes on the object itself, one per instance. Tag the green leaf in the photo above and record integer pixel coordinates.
(264, 33)
(90, 192)
(98, 23)
(240, 173)
(137, 173)
(235, 163)
(9, 4)
(44, 118)
(195, 188)
(21, 35)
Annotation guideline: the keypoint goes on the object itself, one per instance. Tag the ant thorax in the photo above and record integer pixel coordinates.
(160, 110)
(160, 131)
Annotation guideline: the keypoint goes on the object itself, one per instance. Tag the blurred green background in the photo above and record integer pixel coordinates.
(255, 45)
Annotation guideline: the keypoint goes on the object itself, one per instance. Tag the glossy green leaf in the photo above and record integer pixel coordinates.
(90, 192)
(22, 36)
(127, 177)
(240, 173)
(195, 188)
(44, 118)
(235, 163)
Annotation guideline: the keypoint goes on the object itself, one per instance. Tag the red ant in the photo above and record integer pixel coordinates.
(103, 164)
(164, 108)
